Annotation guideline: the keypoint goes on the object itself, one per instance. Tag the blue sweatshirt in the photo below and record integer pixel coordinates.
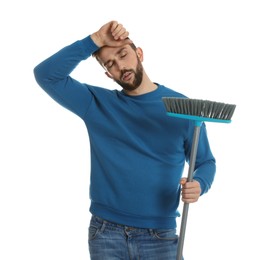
(138, 153)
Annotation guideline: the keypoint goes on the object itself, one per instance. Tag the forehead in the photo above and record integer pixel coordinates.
(107, 53)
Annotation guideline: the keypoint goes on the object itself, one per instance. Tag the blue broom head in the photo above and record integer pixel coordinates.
(199, 110)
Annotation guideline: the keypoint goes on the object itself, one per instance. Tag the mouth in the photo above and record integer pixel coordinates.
(126, 76)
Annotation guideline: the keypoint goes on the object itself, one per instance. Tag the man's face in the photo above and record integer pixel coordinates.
(123, 65)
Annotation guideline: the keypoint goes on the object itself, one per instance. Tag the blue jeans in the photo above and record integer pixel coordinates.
(110, 241)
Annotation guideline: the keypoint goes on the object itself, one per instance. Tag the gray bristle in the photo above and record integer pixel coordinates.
(198, 107)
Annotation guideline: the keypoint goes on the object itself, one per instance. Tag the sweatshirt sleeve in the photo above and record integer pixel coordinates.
(205, 166)
(52, 75)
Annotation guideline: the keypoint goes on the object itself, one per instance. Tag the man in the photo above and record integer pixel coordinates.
(137, 152)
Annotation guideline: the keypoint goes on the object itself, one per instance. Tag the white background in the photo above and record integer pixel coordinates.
(204, 49)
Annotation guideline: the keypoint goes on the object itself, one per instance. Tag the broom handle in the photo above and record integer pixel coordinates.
(193, 155)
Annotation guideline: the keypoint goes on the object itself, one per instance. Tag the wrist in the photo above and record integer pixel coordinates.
(96, 39)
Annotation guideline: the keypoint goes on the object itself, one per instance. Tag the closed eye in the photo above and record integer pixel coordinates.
(123, 55)
(109, 64)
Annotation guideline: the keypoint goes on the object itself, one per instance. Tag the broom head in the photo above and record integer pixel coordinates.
(199, 110)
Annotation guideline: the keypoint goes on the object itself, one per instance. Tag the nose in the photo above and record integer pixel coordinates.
(121, 65)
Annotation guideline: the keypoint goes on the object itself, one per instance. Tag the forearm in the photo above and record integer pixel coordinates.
(61, 64)
(205, 175)
(205, 166)
(53, 76)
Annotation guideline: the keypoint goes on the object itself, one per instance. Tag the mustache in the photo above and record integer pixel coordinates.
(125, 71)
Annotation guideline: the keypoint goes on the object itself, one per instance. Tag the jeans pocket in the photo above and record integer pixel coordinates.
(95, 228)
(166, 234)
(93, 232)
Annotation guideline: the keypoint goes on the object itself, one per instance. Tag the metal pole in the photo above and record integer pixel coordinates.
(193, 155)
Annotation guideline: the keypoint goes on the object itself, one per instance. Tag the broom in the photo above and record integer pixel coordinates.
(199, 111)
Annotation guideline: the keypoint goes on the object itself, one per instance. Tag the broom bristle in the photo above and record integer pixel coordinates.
(198, 107)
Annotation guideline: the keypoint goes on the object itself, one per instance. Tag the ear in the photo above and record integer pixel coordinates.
(109, 75)
(139, 53)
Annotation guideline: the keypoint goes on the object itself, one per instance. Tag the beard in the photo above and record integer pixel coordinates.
(138, 77)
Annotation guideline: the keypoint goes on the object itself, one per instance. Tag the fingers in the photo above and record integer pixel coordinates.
(111, 34)
(190, 190)
(118, 31)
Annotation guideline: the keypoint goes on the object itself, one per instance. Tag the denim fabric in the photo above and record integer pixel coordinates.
(110, 241)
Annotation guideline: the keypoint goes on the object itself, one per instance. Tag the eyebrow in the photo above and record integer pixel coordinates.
(117, 53)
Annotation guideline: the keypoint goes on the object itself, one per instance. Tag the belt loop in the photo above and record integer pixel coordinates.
(103, 226)
(151, 231)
